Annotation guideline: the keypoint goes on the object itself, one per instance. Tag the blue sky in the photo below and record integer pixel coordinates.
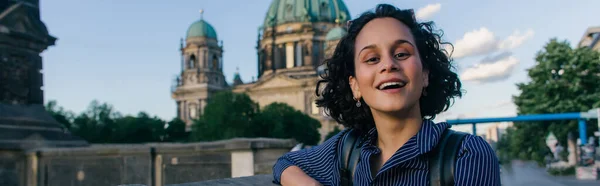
(126, 52)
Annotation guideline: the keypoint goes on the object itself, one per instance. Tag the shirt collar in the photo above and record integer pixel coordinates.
(426, 139)
(421, 143)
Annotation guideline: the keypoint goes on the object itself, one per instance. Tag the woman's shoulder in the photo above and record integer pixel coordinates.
(476, 146)
(477, 163)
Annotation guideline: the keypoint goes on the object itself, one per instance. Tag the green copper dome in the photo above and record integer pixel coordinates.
(289, 11)
(335, 34)
(201, 28)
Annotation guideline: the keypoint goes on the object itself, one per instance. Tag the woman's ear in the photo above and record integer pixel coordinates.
(354, 87)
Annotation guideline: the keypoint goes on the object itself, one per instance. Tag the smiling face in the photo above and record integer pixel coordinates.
(389, 75)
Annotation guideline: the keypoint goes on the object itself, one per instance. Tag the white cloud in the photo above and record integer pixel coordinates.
(428, 11)
(489, 72)
(483, 41)
(476, 42)
(515, 40)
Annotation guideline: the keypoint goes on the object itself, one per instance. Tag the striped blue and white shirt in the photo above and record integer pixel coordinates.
(476, 163)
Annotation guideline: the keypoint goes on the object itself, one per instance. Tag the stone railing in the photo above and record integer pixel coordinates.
(158, 164)
(263, 180)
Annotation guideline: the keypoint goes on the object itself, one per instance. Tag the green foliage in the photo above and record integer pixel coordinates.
(96, 124)
(562, 80)
(59, 114)
(140, 129)
(100, 123)
(175, 131)
(229, 115)
(279, 120)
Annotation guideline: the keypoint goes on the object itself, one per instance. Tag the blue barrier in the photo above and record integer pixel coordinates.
(580, 116)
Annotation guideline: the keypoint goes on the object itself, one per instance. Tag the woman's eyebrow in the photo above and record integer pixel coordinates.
(397, 42)
(372, 46)
(402, 41)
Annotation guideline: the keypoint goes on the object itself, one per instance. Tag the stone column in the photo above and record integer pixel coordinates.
(32, 169)
(242, 163)
(158, 170)
(289, 55)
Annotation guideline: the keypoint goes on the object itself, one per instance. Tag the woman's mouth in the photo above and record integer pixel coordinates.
(391, 85)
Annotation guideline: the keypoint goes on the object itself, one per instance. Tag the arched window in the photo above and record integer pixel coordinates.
(324, 9)
(192, 62)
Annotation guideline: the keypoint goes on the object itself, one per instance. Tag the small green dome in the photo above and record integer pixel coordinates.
(201, 28)
(290, 11)
(335, 34)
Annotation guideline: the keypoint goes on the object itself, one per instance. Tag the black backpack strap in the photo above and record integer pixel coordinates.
(348, 156)
(443, 160)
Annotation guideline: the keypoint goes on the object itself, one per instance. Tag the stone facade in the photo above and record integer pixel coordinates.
(290, 55)
(591, 38)
(201, 76)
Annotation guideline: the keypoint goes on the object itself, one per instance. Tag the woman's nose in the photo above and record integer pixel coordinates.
(389, 64)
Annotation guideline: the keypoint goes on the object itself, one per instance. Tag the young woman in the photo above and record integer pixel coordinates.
(388, 77)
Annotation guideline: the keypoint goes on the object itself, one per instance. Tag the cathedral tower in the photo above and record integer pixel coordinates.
(201, 71)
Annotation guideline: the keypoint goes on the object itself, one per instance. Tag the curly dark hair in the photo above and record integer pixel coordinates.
(337, 98)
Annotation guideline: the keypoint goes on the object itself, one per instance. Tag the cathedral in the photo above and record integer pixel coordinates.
(294, 40)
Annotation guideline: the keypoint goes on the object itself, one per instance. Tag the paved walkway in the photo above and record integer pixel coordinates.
(528, 174)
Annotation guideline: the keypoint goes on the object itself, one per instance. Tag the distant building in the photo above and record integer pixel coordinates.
(495, 131)
(591, 38)
(292, 43)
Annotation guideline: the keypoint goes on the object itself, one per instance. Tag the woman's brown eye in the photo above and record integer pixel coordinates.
(401, 56)
(373, 59)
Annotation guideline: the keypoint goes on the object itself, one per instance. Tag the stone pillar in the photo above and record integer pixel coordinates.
(32, 169)
(289, 55)
(242, 163)
(158, 170)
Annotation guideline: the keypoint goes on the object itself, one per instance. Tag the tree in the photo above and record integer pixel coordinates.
(175, 131)
(97, 123)
(279, 120)
(59, 114)
(226, 115)
(140, 129)
(230, 115)
(100, 123)
(563, 80)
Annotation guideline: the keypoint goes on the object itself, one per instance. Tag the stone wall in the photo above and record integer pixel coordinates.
(148, 164)
(12, 166)
(97, 165)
